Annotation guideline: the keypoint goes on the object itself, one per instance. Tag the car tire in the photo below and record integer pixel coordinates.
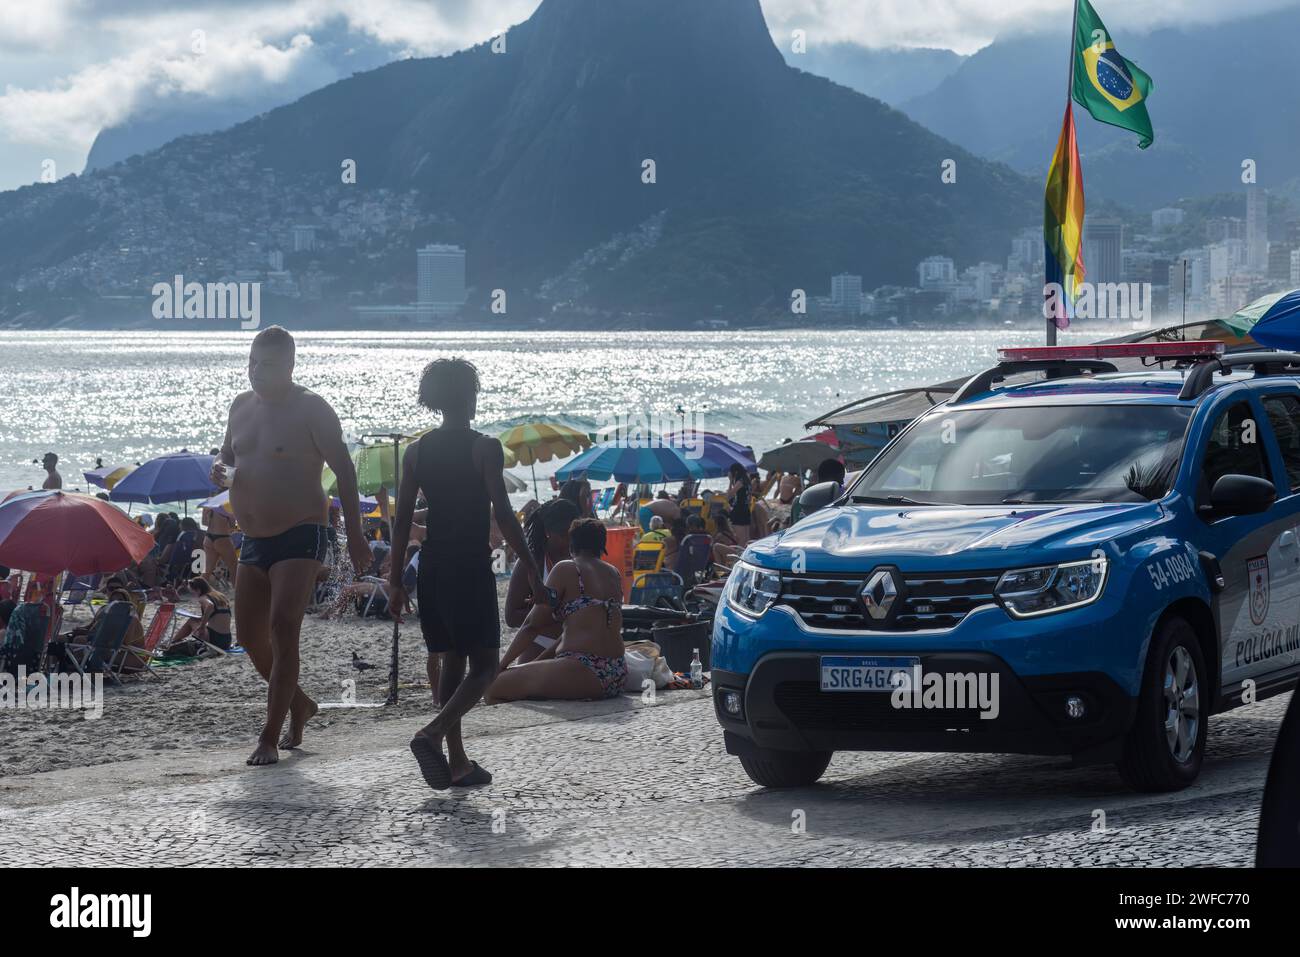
(1164, 749)
(785, 769)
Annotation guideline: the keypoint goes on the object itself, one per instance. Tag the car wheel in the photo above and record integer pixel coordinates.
(785, 769)
(1166, 745)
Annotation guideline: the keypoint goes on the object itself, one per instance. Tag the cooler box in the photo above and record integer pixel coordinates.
(677, 642)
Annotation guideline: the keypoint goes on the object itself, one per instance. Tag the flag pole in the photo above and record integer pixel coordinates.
(1069, 95)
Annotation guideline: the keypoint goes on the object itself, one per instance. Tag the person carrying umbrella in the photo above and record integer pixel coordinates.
(278, 439)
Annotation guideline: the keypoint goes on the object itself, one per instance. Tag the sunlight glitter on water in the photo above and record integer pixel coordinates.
(127, 397)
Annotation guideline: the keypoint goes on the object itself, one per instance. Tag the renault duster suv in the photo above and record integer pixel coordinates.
(1084, 562)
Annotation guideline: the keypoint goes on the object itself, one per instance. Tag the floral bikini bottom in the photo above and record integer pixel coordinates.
(610, 672)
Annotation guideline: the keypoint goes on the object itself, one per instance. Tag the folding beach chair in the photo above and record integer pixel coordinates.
(163, 623)
(647, 557)
(103, 645)
(659, 590)
(694, 558)
(77, 590)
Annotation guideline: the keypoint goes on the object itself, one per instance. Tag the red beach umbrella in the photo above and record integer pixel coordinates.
(53, 531)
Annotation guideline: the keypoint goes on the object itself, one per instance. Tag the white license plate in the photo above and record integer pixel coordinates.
(866, 674)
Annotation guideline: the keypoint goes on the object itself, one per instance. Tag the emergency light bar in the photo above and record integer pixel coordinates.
(1161, 351)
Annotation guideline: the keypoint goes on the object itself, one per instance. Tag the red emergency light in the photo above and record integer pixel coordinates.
(1160, 351)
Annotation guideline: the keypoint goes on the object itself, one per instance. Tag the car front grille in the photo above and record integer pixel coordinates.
(925, 601)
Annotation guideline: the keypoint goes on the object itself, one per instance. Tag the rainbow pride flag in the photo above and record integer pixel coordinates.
(1063, 226)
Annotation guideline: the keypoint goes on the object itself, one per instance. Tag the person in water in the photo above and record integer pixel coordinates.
(279, 437)
(588, 662)
(459, 472)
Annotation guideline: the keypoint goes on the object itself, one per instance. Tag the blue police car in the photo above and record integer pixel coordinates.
(1062, 559)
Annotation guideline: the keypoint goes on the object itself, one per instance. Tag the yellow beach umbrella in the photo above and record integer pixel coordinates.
(535, 442)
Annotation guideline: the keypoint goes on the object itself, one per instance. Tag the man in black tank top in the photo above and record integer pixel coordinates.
(459, 472)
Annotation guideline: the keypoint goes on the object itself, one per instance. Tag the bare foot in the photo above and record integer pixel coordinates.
(297, 721)
(263, 754)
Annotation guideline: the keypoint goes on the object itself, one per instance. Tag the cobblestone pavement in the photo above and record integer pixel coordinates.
(629, 783)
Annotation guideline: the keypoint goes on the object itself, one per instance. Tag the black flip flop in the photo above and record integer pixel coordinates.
(477, 777)
(433, 763)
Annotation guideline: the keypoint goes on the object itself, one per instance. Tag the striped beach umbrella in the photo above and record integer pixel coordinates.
(108, 476)
(535, 442)
(52, 531)
(655, 462)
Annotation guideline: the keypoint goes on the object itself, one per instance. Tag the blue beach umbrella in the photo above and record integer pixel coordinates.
(178, 477)
(1278, 327)
(716, 452)
(657, 463)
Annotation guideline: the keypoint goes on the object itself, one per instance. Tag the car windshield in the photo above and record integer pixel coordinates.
(1031, 454)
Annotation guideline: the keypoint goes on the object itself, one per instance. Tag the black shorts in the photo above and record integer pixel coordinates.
(458, 604)
(301, 541)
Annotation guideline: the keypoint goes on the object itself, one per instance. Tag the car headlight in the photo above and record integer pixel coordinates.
(751, 590)
(1026, 592)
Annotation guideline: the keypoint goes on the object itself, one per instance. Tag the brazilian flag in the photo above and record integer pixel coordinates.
(1108, 86)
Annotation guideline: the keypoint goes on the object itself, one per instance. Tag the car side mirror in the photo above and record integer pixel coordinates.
(819, 496)
(1242, 495)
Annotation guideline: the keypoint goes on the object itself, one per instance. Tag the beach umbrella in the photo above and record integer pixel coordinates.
(651, 462)
(219, 503)
(514, 483)
(108, 476)
(827, 437)
(716, 452)
(1278, 325)
(177, 477)
(535, 442)
(796, 457)
(53, 531)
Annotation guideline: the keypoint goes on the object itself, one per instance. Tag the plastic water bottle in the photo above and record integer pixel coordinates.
(697, 670)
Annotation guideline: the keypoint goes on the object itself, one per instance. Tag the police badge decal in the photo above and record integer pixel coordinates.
(1257, 569)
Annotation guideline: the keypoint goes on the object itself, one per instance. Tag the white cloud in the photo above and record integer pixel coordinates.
(967, 25)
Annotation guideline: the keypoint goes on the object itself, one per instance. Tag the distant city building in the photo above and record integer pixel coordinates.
(1220, 228)
(1279, 261)
(1226, 258)
(1103, 251)
(846, 292)
(1167, 218)
(1295, 266)
(937, 272)
(440, 277)
(275, 259)
(982, 280)
(1027, 252)
(304, 238)
(1256, 229)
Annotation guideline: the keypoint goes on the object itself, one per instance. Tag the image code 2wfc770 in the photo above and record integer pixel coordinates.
(608, 434)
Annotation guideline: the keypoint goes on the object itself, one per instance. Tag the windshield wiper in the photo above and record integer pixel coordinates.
(1048, 501)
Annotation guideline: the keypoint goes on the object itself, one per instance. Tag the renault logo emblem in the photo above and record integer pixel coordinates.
(879, 593)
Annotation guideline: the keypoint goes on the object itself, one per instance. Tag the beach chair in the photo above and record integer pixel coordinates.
(102, 647)
(24, 638)
(606, 500)
(76, 591)
(659, 590)
(163, 622)
(694, 558)
(647, 558)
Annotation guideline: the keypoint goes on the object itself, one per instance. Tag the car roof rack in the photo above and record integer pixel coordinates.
(1055, 369)
(1200, 378)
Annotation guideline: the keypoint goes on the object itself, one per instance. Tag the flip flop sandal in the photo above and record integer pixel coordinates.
(433, 763)
(477, 777)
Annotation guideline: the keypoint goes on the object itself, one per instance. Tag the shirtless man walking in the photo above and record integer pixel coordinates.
(278, 439)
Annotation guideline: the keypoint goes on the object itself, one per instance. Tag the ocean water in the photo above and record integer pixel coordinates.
(127, 397)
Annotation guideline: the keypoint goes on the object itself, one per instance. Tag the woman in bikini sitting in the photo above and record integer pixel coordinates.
(588, 661)
(546, 534)
(218, 546)
(213, 626)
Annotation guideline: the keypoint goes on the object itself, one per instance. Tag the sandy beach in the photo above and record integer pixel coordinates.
(220, 703)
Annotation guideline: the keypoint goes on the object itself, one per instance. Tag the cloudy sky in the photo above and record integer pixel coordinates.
(69, 68)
